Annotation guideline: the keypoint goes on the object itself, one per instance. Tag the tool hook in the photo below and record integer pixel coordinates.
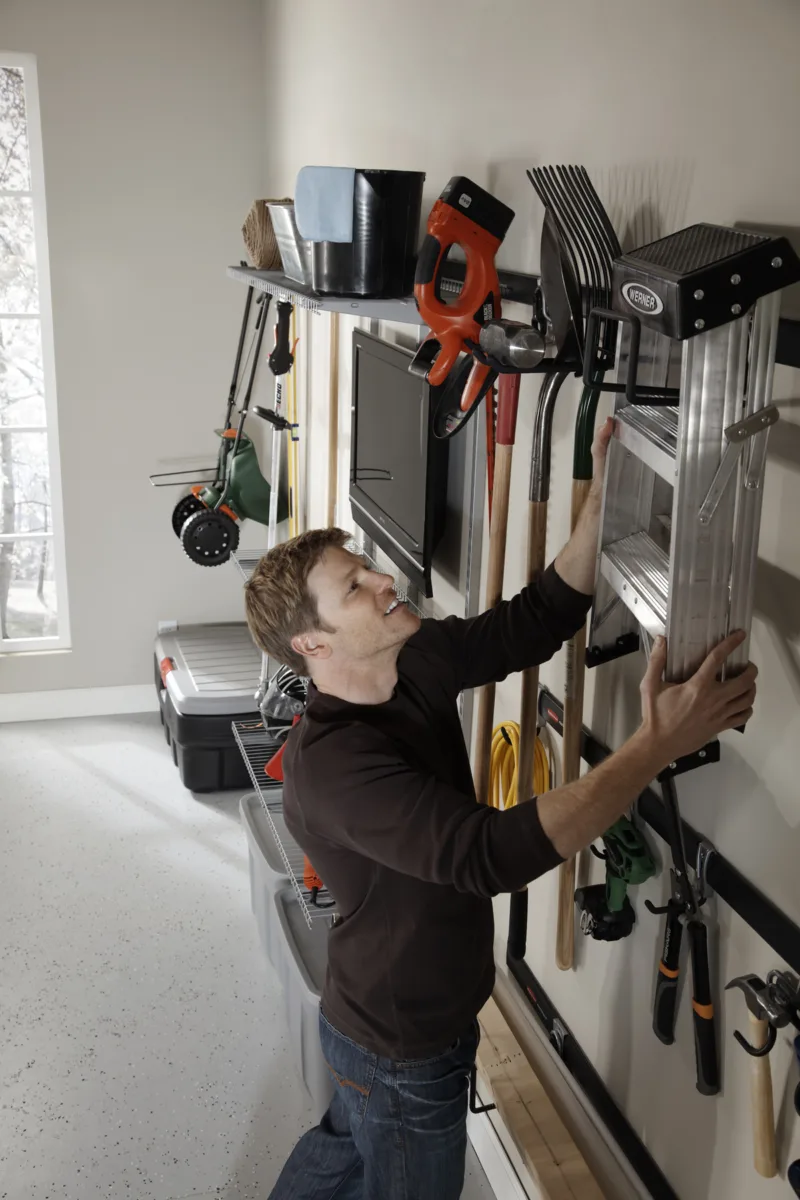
(764, 1050)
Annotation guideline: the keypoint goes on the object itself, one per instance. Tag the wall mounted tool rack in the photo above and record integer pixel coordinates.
(516, 287)
(728, 883)
(777, 930)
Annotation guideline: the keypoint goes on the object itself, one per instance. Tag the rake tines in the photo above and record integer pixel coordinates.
(586, 231)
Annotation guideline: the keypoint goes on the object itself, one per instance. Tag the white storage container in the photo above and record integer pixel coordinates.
(299, 955)
(267, 871)
(302, 955)
(295, 251)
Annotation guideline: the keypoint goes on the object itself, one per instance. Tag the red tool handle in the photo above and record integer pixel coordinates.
(507, 405)
(476, 386)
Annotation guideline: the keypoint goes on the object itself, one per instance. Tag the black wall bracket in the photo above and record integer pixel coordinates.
(520, 288)
(764, 917)
(777, 930)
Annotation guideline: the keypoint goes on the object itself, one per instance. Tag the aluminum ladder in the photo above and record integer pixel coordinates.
(685, 470)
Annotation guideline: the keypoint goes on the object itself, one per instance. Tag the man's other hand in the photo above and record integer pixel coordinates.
(681, 717)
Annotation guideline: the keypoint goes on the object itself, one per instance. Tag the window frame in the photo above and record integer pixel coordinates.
(63, 640)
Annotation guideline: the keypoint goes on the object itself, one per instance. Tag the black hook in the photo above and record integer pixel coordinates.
(475, 1105)
(764, 1050)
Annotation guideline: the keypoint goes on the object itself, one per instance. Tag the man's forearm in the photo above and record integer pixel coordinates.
(574, 814)
(577, 561)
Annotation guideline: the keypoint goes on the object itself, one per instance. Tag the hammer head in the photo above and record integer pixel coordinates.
(757, 997)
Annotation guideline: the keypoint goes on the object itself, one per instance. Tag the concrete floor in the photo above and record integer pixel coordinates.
(144, 1047)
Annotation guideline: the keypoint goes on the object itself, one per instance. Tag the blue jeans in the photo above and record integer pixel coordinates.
(394, 1130)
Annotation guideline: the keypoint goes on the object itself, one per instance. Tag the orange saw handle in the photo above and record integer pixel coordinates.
(467, 216)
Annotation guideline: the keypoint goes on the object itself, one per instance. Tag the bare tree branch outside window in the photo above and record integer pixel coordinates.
(27, 587)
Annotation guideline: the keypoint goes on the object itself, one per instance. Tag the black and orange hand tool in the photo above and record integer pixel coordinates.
(467, 216)
(683, 908)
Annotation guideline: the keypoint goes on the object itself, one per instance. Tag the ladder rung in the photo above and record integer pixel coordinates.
(638, 571)
(651, 434)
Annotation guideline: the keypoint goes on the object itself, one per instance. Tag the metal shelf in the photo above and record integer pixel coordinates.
(257, 749)
(277, 284)
(516, 286)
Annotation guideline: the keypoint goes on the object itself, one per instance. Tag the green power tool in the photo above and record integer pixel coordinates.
(606, 913)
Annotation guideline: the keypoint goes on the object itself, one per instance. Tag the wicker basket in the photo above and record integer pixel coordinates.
(259, 236)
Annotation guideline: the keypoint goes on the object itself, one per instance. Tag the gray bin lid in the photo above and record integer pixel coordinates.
(217, 669)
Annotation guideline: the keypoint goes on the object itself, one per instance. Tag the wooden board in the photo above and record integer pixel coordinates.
(555, 1163)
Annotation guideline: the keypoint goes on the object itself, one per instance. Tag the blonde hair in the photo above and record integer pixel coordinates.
(277, 602)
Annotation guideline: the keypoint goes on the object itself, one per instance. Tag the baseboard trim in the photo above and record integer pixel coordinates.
(78, 702)
(493, 1157)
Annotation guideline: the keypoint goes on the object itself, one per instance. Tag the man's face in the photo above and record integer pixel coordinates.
(360, 605)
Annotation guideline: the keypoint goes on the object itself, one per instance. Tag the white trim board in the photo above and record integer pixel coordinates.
(493, 1157)
(77, 702)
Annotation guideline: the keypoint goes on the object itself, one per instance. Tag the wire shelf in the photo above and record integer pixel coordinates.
(257, 749)
(246, 561)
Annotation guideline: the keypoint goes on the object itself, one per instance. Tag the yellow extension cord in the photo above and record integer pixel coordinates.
(503, 767)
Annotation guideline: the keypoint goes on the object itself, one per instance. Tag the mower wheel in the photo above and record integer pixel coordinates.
(209, 538)
(186, 507)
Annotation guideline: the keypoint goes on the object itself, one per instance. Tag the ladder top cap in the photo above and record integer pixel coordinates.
(701, 277)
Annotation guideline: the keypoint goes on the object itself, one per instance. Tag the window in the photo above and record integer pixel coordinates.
(33, 599)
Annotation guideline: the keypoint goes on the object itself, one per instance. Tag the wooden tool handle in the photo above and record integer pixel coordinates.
(764, 1155)
(494, 592)
(571, 757)
(499, 526)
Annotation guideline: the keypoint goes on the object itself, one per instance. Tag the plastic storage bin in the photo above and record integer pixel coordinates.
(299, 955)
(302, 957)
(295, 252)
(267, 872)
(206, 677)
(204, 749)
(381, 258)
(209, 670)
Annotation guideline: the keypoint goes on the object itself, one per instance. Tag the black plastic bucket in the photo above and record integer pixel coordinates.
(380, 260)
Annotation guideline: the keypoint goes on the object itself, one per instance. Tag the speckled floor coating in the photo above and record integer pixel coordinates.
(143, 1046)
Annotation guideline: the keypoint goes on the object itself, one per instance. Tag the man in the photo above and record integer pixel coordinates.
(378, 792)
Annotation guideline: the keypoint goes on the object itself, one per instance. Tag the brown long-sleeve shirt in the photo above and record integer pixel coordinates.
(381, 799)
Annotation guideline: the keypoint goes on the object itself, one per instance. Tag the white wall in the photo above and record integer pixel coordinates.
(152, 120)
(681, 112)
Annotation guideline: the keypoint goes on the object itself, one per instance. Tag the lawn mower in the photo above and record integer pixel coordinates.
(207, 516)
